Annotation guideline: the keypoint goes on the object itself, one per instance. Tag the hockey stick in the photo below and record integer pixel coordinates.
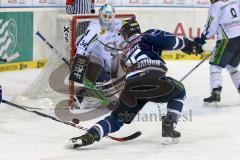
(123, 139)
(112, 48)
(25, 107)
(116, 49)
(194, 68)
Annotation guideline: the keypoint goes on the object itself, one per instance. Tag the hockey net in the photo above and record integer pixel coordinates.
(51, 88)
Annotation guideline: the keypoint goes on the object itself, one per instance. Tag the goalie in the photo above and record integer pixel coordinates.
(96, 57)
(146, 81)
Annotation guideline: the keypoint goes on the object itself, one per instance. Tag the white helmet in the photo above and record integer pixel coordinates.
(106, 16)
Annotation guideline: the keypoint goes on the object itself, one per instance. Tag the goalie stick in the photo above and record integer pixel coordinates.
(121, 139)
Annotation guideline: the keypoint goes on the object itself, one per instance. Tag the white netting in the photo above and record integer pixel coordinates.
(52, 87)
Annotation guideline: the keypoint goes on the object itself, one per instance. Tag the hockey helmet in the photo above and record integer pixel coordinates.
(129, 28)
(106, 15)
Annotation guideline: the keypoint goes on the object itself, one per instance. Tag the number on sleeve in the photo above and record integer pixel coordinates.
(233, 12)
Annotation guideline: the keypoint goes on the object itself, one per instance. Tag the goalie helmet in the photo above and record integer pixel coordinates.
(106, 16)
(129, 28)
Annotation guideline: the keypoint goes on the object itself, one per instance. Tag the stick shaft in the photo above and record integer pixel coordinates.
(130, 137)
(194, 68)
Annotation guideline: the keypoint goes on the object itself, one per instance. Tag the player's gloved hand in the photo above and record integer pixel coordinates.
(200, 40)
(93, 8)
(198, 49)
(191, 47)
(0, 94)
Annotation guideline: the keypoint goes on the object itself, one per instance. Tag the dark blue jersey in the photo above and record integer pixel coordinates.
(151, 44)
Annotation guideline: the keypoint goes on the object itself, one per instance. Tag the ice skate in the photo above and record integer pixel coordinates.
(170, 135)
(84, 140)
(214, 98)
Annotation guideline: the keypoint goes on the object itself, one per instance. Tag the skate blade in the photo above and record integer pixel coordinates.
(169, 140)
(213, 104)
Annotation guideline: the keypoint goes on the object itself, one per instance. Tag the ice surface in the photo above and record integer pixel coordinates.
(208, 133)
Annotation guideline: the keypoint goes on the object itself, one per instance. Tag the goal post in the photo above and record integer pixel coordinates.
(52, 88)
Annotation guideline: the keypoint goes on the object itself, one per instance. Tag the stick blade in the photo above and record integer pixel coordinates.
(127, 138)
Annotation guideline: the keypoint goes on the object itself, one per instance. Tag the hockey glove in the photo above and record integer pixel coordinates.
(191, 47)
(188, 49)
(0, 94)
(200, 40)
(198, 49)
(79, 67)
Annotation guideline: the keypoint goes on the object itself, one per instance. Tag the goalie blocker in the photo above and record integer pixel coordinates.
(88, 67)
(79, 68)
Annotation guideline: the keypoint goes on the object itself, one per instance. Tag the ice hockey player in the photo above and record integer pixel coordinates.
(223, 20)
(94, 50)
(0, 94)
(146, 81)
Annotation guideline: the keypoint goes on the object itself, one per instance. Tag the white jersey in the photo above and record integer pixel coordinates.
(223, 20)
(92, 43)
